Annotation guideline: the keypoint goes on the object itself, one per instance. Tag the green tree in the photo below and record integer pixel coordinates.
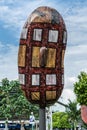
(80, 88)
(13, 103)
(5, 102)
(73, 113)
(60, 120)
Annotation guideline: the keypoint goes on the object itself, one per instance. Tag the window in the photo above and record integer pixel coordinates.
(22, 79)
(37, 34)
(50, 79)
(64, 37)
(24, 33)
(35, 79)
(53, 36)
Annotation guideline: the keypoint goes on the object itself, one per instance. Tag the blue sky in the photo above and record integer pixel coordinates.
(13, 14)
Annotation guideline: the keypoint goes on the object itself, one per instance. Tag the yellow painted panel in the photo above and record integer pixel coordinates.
(50, 95)
(50, 60)
(21, 56)
(35, 96)
(51, 57)
(63, 52)
(35, 56)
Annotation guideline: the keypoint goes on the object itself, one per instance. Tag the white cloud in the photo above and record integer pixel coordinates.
(15, 13)
(69, 82)
(10, 17)
(15, 16)
(76, 21)
(8, 62)
(67, 95)
(77, 50)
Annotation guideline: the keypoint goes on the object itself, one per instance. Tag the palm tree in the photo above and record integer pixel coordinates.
(73, 113)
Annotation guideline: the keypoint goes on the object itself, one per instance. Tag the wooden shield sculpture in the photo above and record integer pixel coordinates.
(41, 56)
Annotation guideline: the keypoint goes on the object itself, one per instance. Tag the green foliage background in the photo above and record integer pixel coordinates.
(60, 120)
(80, 88)
(13, 104)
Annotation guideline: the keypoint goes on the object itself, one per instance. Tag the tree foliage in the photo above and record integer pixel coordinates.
(13, 103)
(73, 113)
(60, 120)
(80, 88)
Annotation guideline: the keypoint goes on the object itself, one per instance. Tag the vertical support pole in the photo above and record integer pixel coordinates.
(42, 119)
(50, 118)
